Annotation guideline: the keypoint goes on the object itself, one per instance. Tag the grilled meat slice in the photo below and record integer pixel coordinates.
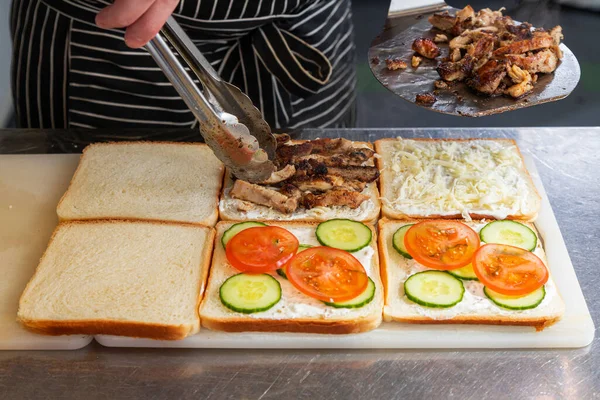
(487, 79)
(317, 183)
(261, 195)
(316, 161)
(523, 46)
(456, 55)
(456, 71)
(481, 50)
(362, 174)
(443, 21)
(278, 176)
(518, 32)
(544, 61)
(331, 146)
(286, 152)
(426, 47)
(335, 197)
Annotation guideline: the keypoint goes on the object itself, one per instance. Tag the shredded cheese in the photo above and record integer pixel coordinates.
(450, 177)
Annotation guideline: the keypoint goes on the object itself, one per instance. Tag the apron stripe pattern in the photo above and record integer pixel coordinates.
(294, 58)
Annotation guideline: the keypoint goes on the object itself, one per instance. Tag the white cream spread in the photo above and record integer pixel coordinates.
(474, 301)
(297, 305)
(453, 177)
(361, 213)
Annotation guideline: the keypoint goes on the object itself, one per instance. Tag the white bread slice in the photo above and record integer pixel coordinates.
(449, 194)
(178, 182)
(367, 212)
(128, 278)
(475, 308)
(295, 312)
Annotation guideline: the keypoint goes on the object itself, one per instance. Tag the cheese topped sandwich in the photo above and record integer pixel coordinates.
(473, 178)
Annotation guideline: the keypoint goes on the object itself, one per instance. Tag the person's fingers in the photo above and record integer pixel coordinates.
(122, 13)
(148, 25)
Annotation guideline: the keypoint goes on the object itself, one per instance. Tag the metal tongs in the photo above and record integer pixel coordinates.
(229, 122)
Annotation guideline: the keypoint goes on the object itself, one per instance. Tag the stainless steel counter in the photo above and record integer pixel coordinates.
(568, 160)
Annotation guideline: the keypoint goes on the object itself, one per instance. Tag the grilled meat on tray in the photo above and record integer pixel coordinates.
(485, 46)
(317, 173)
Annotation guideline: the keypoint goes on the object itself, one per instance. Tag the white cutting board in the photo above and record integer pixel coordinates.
(35, 183)
(30, 187)
(576, 329)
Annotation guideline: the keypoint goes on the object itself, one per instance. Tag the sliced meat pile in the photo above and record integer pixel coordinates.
(317, 173)
(494, 55)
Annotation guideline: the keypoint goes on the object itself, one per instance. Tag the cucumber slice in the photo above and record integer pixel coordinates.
(344, 234)
(250, 293)
(302, 247)
(509, 232)
(465, 273)
(361, 300)
(237, 228)
(436, 289)
(531, 300)
(398, 241)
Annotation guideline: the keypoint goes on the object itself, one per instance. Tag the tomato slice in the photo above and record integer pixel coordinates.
(327, 274)
(509, 270)
(441, 244)
(261, 249)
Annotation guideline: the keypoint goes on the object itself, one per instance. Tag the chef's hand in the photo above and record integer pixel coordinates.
(142, 18)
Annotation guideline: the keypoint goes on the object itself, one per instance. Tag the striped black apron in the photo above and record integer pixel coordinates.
(294, 58)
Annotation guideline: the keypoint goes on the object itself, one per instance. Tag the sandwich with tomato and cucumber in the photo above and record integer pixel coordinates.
(473, 272)
(294, 277)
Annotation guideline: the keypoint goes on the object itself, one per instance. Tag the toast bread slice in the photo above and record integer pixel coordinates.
(295, 312)
(116, 277)
(159, 181)
(525, 206)
(367, 212)
(475, 308)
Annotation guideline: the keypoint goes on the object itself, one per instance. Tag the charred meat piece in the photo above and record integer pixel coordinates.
(523, 46)
(286, 152)
(426, 99)
(260, 195)
(456, 71)
(519, 32)
(393, 64)
(310, 167)
(487, 79)
(335, 197)
(426, 47)
(443, 21)
(362, 174)
(278, 176)
(544, 61)
(289, 190)
(317, 183)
